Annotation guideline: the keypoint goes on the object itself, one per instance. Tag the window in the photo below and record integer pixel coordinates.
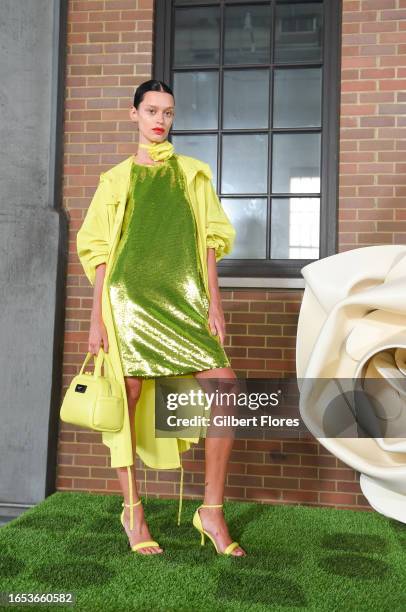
(256, 90)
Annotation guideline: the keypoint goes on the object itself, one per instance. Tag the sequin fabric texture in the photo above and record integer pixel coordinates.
(158, 299)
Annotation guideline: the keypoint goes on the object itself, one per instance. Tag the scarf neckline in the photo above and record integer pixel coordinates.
(159, 151)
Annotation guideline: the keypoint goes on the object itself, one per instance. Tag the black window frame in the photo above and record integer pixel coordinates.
(162, 55)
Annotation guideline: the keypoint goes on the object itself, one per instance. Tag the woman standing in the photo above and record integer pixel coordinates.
(156, 302)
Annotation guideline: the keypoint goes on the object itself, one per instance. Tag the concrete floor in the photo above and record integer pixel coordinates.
(8, 514)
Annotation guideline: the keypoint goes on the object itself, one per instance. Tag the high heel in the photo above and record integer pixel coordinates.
(197, 522)
(131, 505)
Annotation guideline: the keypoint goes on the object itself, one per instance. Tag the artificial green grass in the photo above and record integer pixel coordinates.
(299, 558)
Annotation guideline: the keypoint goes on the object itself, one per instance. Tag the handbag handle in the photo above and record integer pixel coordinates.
(98, 360)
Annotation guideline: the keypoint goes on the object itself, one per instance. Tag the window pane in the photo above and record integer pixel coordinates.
(272, 130)
(295, 228)
(196, 1)
(201, 146)
(297, 97)
(197, 36)
(246, 99)
(296, 163)
(247, 34)
(249, 219)
(244, 163)
(196, 96)
(298, 32)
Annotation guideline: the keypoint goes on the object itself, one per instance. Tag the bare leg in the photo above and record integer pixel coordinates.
(217, 453)
(140, 531)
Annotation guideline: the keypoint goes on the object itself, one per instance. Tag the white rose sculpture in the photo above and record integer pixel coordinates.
(352, 336)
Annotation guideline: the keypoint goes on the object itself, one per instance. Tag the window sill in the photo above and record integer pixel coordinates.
(261, 283)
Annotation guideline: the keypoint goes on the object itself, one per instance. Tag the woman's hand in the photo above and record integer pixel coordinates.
(217, 322)
(98, 332)
(97, 336)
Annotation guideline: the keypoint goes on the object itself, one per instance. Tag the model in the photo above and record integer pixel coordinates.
(149, 244)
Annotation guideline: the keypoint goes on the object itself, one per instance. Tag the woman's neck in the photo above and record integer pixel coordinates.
(142, 156)
(145, 159)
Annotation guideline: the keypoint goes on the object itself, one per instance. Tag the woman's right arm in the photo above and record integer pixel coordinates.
(93, 240)
(93, 237)
(98, 331)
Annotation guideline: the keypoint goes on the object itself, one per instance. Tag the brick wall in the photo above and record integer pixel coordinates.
(109, 53)
(373, 124)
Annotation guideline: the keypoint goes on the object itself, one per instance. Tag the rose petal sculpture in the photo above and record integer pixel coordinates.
(352, 334)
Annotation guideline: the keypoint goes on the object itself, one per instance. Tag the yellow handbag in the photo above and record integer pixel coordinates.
(92, 400)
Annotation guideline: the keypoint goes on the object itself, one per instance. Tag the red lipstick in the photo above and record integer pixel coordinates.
(158, 130)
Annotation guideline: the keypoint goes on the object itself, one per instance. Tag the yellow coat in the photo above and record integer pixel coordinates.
(97, 240)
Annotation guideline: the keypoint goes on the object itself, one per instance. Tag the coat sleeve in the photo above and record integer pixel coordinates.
(220, 233)
(92, 239)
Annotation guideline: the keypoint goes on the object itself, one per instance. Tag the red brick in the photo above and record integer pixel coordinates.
(263, 494)
(264, 470)
(248, 456)
(248, 295)
(64, 483)
(70, 447)
(248, 317)
(257, 341)
(301, 496)
(65, 459)
(264, 445)
(285, 458)
(90, 460)
(282, 483)
(337, 498)
(348, 487)
(299, 472)
(244, 480)
(89, 484)
(318, 460)
(114, 485)
(71, 471)
(317, 484)
(239, 468)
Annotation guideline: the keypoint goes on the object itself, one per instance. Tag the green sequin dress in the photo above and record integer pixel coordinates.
(156, 290)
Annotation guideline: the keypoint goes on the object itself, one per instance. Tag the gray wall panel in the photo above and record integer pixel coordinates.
(33, 237)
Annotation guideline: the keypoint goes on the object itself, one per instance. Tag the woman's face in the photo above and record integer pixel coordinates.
(155, 115)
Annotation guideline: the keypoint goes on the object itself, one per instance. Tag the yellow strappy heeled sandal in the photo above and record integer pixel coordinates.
(131, 505)
(197, 522)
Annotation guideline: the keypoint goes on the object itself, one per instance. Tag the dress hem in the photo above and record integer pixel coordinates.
(226, 365)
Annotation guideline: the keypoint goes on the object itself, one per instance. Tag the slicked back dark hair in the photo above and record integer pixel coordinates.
(151, 85)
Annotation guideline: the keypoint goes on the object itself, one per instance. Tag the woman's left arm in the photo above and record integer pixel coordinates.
(220, 235)
(216, 316)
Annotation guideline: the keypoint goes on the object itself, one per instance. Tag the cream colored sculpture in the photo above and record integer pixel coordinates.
(352, 332)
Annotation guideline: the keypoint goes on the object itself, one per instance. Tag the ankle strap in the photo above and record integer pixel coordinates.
(211, 505)
(132, 505)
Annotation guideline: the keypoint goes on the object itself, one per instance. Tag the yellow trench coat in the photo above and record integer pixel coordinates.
(97, 240)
